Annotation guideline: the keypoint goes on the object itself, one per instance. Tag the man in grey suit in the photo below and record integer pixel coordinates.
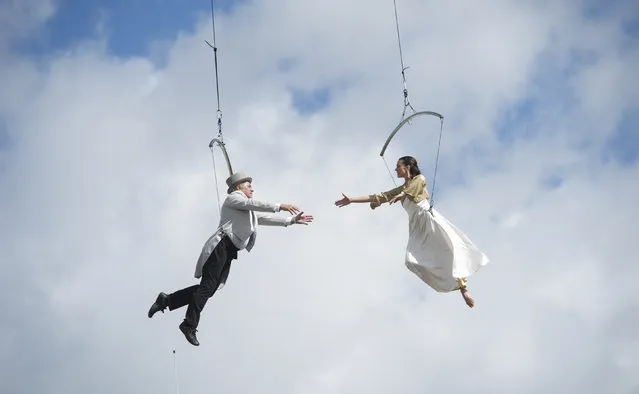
(239, 217)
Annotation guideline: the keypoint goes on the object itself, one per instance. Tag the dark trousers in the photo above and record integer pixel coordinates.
(215, 268)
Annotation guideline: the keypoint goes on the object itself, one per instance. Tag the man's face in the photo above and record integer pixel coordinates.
(246, 188)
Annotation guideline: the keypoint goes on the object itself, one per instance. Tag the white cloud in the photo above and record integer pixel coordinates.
(108, 196)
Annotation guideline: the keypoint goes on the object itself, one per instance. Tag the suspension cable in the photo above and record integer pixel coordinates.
(439, 143)
(408, 104)
(401, 60)
(220, 138)
(217, 85)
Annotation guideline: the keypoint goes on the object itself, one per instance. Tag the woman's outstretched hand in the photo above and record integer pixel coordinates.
(343, 202)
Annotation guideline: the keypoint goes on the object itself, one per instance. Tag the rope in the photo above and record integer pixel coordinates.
(439, 143)
(219, 111)
(408, 104)
(217, 85)
(389, 171)
(401, 60)
(217, 189)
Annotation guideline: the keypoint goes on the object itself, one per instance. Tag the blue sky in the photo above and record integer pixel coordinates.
(308, 102)
(623, 146)
(4, 135)
(131, 25)
(553, 90)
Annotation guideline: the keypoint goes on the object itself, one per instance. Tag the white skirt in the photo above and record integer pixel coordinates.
(437, 251)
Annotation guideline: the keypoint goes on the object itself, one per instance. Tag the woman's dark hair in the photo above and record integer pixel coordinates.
(412, 163)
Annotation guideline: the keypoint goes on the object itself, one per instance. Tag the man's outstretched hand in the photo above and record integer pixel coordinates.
(292, 209)
(301, 218)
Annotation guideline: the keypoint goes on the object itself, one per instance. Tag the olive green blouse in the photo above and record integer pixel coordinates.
(414, 188)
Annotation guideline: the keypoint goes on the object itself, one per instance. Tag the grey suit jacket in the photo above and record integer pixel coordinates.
(239, 219)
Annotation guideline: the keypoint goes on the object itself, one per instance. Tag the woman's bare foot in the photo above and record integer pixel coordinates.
(467, 297)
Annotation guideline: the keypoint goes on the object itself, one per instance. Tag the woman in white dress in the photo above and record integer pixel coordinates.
(437, 251)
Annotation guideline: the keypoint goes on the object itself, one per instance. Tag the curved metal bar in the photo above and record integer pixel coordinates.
(222, 146)
(403, 122)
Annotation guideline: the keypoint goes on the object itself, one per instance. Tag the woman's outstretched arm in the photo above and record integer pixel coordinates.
(347, 200)
(375, 200)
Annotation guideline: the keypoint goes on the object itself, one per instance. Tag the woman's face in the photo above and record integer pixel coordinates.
(402, 170)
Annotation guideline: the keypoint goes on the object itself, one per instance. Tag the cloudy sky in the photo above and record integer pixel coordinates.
(108, 193)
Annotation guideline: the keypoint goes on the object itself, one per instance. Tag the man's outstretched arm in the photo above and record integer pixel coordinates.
(241, 202)
(266, 219)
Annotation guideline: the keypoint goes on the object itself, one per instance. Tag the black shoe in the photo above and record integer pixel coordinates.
(159, 305)
(189, 333)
